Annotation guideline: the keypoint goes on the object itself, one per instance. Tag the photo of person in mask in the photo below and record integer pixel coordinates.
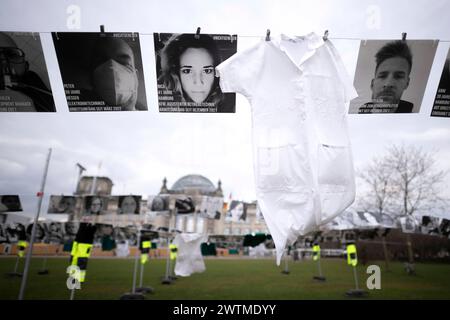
(114, 74)
(21, 88)
(186, 71)
(101, 71)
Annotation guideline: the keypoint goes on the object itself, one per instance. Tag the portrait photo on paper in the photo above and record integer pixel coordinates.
(24, 81)
(391, 75)
(101, 71)
(185, 71)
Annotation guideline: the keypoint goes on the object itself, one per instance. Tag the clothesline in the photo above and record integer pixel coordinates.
(240, 36)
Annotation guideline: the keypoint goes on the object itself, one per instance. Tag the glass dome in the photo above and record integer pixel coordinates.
(194, 182)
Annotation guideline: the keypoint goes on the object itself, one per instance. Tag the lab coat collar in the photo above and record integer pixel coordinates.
(311, 40)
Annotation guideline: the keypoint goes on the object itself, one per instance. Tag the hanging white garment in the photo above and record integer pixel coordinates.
(298, 89)
(189, 254)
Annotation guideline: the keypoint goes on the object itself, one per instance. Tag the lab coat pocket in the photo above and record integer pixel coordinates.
(335, 166)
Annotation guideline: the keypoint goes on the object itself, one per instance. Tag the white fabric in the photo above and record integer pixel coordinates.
(258, 251)
(189, 254)
(298, 89)
(122, 249)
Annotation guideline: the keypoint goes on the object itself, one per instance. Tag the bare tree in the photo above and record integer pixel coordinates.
(403, 181)
(416, 179)
(378, 176)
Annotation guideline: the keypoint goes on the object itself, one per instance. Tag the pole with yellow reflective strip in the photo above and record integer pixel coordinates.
(21, 246)
(173, 251)
(352, 258)
(316, 252)
(146, 245)
(80, 254)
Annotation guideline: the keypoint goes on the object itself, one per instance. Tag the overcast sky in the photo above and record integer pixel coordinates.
(139, 149)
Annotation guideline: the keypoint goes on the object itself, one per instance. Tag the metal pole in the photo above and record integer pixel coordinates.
(17, 264)
(320, 268)
(356, 278)
(286, 266)
(141, 279)
(386, 255)
(33, 232)
(136, 258)
(72, 294)
(44, 263)
(168, 261)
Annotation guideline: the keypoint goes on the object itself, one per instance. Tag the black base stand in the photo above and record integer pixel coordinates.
(132, 296)
(319, 278)
(285, 272)
(166, 281)
(14, 274)
(43, 272)
(358, 293)
(145, 290)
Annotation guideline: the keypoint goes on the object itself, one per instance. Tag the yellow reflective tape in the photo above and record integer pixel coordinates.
(82, 275)
(22, 243)
(352, 258)
(144, 258)
(173, 251)
(73, 252)
(146, 244)
(84, 250)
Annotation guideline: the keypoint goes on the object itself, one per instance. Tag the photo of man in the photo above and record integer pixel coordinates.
(101, 71)
(391, 75)
(24, 82)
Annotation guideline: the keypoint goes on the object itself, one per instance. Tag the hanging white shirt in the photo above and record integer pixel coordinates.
(189, 254)
(298, 89)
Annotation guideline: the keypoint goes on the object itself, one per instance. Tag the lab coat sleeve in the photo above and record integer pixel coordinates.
(239, 72)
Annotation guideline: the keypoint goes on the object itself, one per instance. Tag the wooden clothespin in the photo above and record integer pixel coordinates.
(325, 35)
(197, 34)
(268, 35)
(403, 36)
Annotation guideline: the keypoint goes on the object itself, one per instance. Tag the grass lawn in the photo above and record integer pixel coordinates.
(228, 279)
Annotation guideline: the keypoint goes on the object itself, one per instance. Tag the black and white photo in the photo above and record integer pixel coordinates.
(101, 71)
(237, 212)
(62, 204)
(95, 205)
(186, 77)
(158, 203)
(129, 204)
(391, 75)
(441, 105)
(24, 81)
(10, 203)
(408, 224)
(184, 204)
(41, 232)
(210, 207)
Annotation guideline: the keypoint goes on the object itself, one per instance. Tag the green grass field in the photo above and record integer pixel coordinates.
(228, 279)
